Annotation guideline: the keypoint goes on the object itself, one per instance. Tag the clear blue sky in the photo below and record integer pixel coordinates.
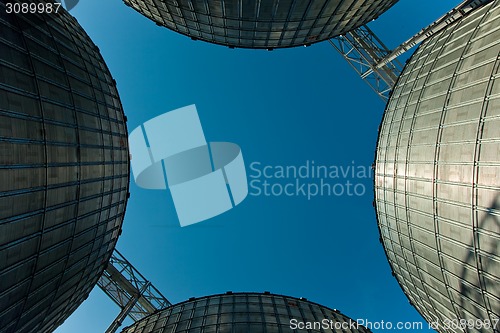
(283, 107)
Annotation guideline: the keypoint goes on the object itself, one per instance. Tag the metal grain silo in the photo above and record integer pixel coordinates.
(64, 168)
(437, 184)
(264, 23)
(246, 313)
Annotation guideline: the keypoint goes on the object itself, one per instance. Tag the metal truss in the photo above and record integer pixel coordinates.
(128, 288)
(363, 50)
(379, 66)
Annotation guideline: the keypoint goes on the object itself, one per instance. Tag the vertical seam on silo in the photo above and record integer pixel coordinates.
(79, 158)
(319, 16)
(343, 16)
(407, 158)
(438, 149)
(25, 44)
(475, 173)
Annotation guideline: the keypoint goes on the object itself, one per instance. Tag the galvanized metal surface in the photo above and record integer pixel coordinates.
(64, 169)
(243, 312)
(264, 24)
(437, 183)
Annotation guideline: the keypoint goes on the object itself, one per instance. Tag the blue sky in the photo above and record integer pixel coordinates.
(283, 108)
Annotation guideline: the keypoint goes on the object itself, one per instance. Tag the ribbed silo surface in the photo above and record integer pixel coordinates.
(437, 181)
(261, 23)
(245, 313)
(64, 169)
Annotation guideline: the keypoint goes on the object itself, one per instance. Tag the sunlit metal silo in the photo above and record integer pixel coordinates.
(261, 24)
(437, 183)
(246, 313)
(64, 168)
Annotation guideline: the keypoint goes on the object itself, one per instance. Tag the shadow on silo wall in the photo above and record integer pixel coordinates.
(484, 257)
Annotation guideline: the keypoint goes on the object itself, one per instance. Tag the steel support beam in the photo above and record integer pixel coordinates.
(128, 288)
(126, 310)
(375, 63)
(363, 50)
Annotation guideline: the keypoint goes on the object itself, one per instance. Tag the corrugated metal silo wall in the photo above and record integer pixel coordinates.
(437, 183)
(263, 23)
(64, 169)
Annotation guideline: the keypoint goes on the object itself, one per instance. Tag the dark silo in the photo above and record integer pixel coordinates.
(64, 168)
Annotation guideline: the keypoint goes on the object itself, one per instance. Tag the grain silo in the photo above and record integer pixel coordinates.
(437, 182)
(64, 168)
(264, 24)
